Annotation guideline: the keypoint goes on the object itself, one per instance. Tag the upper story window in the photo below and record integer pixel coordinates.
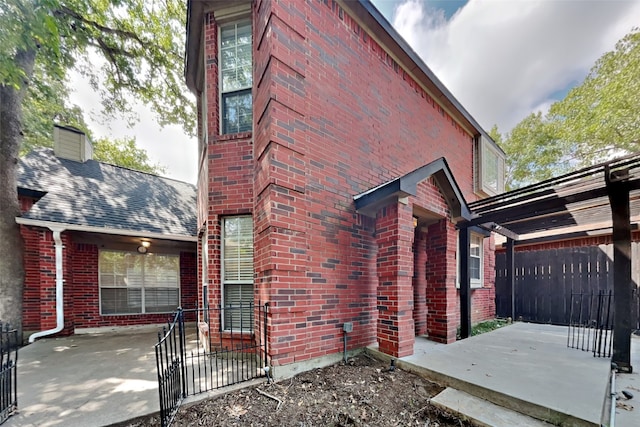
(489, 174)
(236, 77)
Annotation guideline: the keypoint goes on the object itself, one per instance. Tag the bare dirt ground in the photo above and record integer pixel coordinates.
(364, 392)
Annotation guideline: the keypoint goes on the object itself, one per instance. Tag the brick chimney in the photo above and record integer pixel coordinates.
(71, 143)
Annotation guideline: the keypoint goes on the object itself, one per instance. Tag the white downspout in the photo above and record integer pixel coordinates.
(59, 295)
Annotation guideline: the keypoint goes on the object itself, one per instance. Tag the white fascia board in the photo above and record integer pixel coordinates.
(104, 230)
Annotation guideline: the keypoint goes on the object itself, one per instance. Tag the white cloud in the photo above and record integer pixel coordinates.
(503, 59)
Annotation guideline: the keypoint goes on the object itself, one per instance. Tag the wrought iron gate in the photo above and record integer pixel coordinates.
(591, 323)
(8, 371)
(209, 348)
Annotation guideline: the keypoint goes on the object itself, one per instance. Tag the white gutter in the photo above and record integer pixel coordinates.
(104, 230)
(59, 288)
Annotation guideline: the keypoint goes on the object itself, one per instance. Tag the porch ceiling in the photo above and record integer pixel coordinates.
(577, 202)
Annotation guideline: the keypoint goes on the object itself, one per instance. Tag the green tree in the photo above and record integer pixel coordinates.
(124, 152)
(47, 103)
(129, 49)
(533, 151)
(597, 120)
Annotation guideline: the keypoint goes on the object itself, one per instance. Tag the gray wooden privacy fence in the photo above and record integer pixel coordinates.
(546, 279)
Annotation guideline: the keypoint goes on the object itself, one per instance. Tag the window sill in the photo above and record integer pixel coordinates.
(163, 313)
(204, 329)
(473, 286)
(232, 136)
(240, 335)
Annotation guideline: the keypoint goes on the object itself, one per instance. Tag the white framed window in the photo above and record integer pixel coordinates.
(236, 77)
(132, 283)
(489, 167)
(205, 268)
(237, 272)
(476, 261)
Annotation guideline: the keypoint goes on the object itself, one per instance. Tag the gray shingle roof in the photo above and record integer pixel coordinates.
(95, 194)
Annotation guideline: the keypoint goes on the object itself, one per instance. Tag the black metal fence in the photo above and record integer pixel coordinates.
(591, 323)
(208, 348)
(8, 371)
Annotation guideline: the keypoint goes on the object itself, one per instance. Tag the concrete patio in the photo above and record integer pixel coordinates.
(526, 368)
(101, 379)
(87, 380)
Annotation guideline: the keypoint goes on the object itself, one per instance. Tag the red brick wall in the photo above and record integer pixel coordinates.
(395, 262)
(86, 292)
(334, 115)
(442, 301)
(26, 203)
(483, 300)
(31, 319)
(81, 291)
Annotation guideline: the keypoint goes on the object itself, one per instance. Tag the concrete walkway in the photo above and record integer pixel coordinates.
(628, 410)
(87, 380)
(524, 367)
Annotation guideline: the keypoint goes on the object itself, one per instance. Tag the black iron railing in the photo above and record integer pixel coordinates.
(591, 322)
(8, 371)
(170, 365)
(209, 348)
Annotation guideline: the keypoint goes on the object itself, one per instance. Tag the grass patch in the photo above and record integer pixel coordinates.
(486, 326)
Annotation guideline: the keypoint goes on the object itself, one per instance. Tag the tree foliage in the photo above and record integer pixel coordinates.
(597, 120)
(128, 49)
(124, 152)
(47, 103)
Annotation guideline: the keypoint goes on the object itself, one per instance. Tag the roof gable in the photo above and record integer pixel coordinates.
(368, 202)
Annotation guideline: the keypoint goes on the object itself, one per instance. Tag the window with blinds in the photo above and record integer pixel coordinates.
(236, 77)
(489, 167)
(476, 253)
(475, 259)
(131, 283)
(237, 274)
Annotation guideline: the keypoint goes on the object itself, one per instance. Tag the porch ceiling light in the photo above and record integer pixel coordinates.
(144, 245)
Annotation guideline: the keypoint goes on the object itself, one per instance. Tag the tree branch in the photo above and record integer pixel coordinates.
(122, 33)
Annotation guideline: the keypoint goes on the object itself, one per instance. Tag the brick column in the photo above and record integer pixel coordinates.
(394, 235)
(442, 313)
(420, 282)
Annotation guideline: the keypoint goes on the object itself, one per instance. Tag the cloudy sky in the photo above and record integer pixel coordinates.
(502, 59)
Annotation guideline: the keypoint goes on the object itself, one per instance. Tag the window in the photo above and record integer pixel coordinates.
(476, 251)
(475, 260)
(489, 161)
(237, 265)
(205, 274)
(132, 283)
(236, 77)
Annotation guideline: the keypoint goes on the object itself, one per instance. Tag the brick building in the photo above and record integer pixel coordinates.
(333, 169)
(105, 246)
